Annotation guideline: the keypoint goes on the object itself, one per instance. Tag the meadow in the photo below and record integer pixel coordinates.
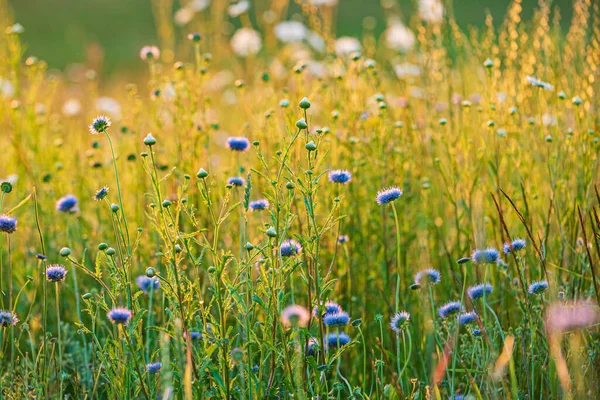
(278, 211)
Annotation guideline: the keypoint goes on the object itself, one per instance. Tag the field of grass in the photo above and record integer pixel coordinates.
(275, 211)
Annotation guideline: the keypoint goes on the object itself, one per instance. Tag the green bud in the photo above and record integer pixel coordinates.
(488, 63)
(304, 103)
(271, 232)
(249, 246)
(202, 173)
(87, 296)
(6, 187)
(110, 251)
(150, 272)
(211, 270)
(114, 208)
(149, 140)
(102, 246)
(301, 124)
(311, 146)
(166, 204)
(290, 186)
(65, 252)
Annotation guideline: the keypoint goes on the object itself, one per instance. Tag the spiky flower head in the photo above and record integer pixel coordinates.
(119, 315)
(101, 194)
(7, 318)
(149, 53)
(238, 143)
(399, 321)
(259, 205)
(487, 256)
(336, 319)
(335, 340)
(8, 224)
(385, 196)
(450, 308)
(341, 176)
(478, 291)
(100, 124)
(538, 287)
(145, 283)
(516, 245)
(330, 307)
(153, 368)
(56, 273)
(429, 276)
(236, 181)
(295, 316)
(467, 318)
(290, 248)
(68, 204)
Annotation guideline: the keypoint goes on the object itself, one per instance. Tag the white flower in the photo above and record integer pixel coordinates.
(346, 45)
(184, 16)
(290, 31)
(329, 3)
(407, 70)
(316, 41)
(71, 108)
(246, 42)
(399, 37)
(199, 5)
(108, 105)
(431, 10)
(549, 120)
(7, 89)
(239, 8)
(149, 52)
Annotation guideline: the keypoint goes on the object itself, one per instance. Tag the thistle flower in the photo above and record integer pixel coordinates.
(8, 224)
(343, 239)
(450, 308)
(290, 248)
(330, 307)
(7, 318)
(145, 283)
(68, 204)
(295, 316)
(538, 287)
(258, 205)
(334, 340)
(101, 194)
(385, 196)
(153, 368)
(56, 273)
(538, 83)
(399, 321)
(237, 143)
(119, 315)
(149, 53)
(100, 124)
(336, 319)
(487, 256)
(477, 291)
(429, 276)
(467, 318)
(340, 176)
(236, 181)
(517, 245)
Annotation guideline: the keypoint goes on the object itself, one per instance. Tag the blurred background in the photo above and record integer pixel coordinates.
(63, 32)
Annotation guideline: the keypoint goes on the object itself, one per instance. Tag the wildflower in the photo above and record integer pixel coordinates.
(68, 204)
(100, 124)
(334, 340)
(516, 245)
(467, 318)
(538, 83)
(399, 37)
(330, 307)
(399, 321)
(312, 346)
(71, 107)
(239, 8)
(153, 368)
(571, 315)
(343, 239)
(119, 315)
(477, 332)
(431, 10)
(290, 31)
(258, 205)
(431, 276)
(487, 256)
(145, 283)
(538, 287)
(385, 196)
(246, 42)
(236, 181)
(149, 53)
(101, 194)
(340, 176)
(346, 45)
(7, 318)
(450, 308)
(237, 143)
(477, 291)
(8, 224)
(295, 316)
(336, 319)
(55, 273)
(290, 248)
(195, 335)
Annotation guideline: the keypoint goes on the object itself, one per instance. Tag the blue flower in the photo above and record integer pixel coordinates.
(538, 287)
(312, 346)
(195, 335)
(331, 307)
(517, 245)
(101, 194)
(8, 224)
(55, 273)
(258, 205)
(290, 248)
(7, 318)
(431, 276)
(119, 315)
(68, 204)
(340, 176)
(153, 368)
(399, 321)
(100, 124)
(334, 339)
(238, 143)
(343, 239)
(385, 196)
(477, 332)
(236, 181)
(477, 291)
(336, 319)
(145, 283)
(451, 307)
(487, 256)
(467, 318)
